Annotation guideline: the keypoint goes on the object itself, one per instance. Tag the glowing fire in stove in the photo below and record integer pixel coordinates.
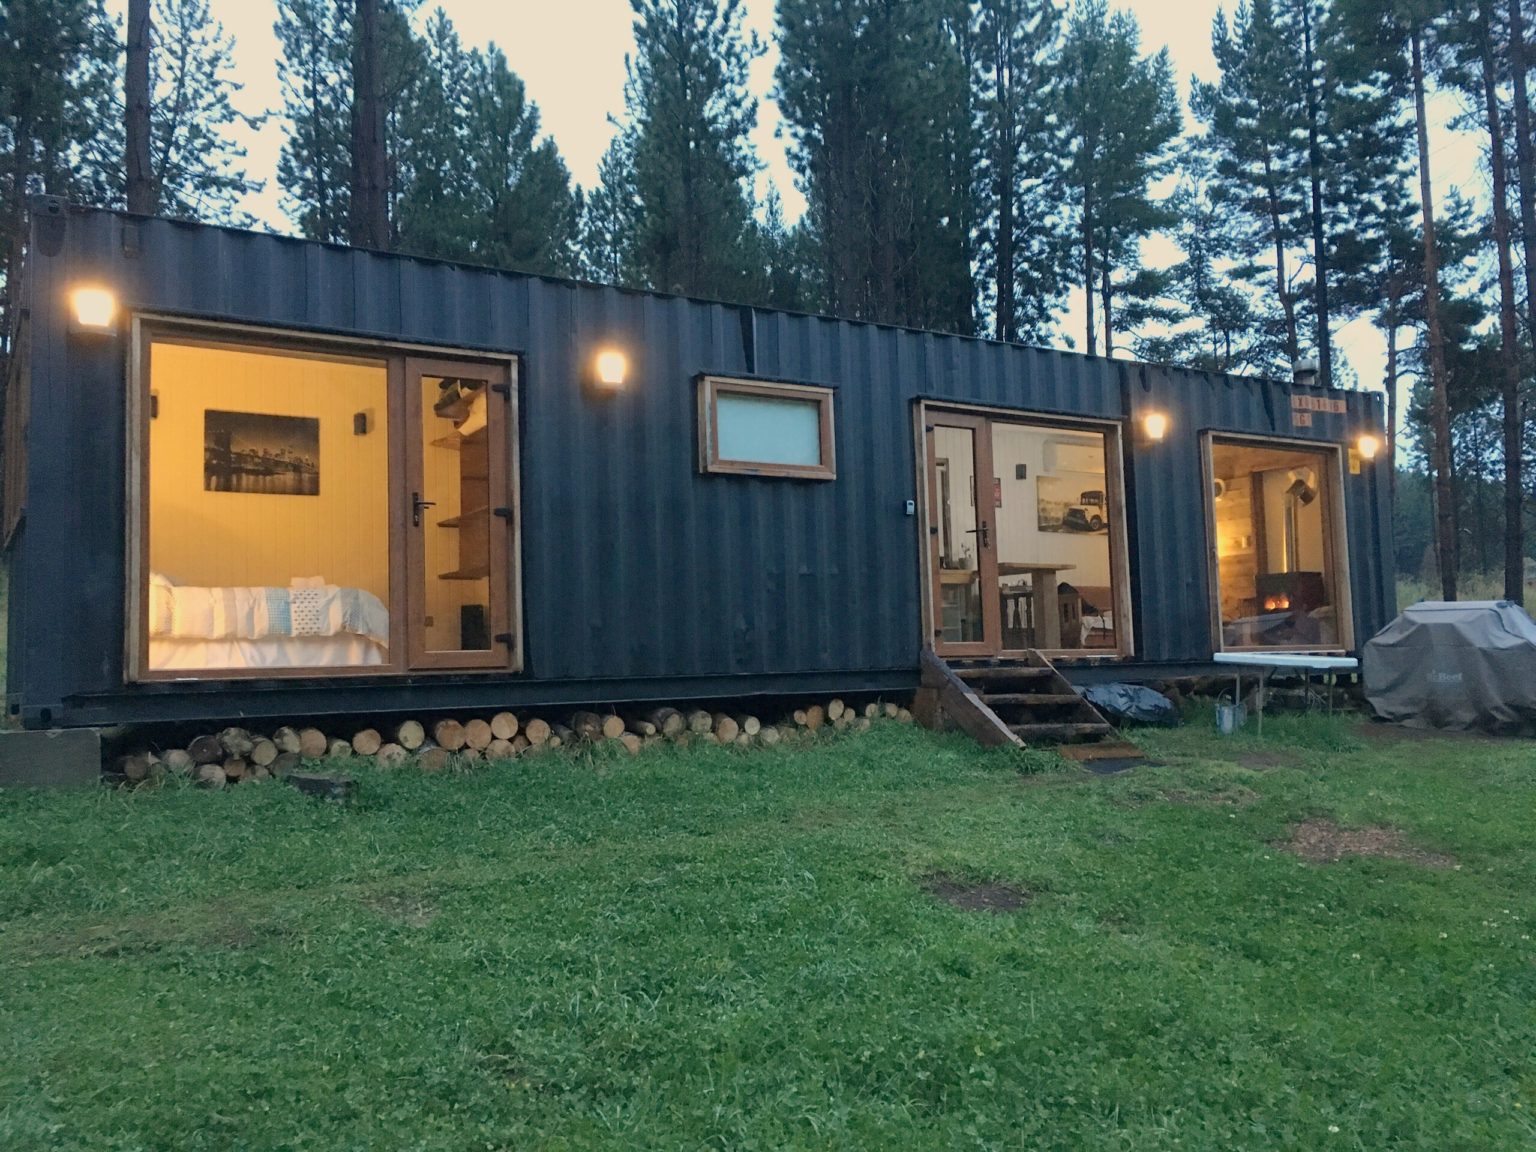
(1277, 603)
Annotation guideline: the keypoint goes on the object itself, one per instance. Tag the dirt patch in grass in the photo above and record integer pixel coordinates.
(218, 927)
(1260, 759)
(976, 895)
(410, 908)
(1383, 732)
(1230, 796)
(1324, 842)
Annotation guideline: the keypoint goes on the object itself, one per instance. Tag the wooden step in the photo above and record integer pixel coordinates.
(1060, 731)
(1116, 750)
(1005, 672)
(1054, 699)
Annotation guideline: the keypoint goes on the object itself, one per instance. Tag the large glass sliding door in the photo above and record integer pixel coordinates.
(1023, 521)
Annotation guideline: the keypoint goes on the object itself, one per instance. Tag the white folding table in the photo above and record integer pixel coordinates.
(1267, 662)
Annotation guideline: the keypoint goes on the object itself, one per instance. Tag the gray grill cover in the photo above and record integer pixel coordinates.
(1454, 665)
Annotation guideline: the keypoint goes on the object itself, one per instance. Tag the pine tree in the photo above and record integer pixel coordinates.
(522, 203)
(1253, 121)
(1122, 115)
(1222, 328)
(876, 101)
(1488, 51)
(1017, 79)
(315, 165)
(58, 66)
(314, 168)
(610, 216)
(787, 267)
(196, 167)
(1439, 404)
(688, 100)
(432, 209)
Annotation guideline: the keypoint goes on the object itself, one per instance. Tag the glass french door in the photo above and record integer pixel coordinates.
(1023, 519)
(962, 538)
(458, 515)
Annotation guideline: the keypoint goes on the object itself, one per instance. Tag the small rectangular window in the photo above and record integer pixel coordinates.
(760, 429)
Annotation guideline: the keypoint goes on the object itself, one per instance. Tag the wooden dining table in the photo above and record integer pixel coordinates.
(1045, 578)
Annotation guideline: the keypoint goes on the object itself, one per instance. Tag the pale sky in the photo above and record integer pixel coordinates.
(570, 54)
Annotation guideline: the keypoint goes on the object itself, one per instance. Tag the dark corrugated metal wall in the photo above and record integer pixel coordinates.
(634, 565)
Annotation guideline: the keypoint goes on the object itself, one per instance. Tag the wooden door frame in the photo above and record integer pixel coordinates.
(1115, 441)
(1335, 535)
(986, 556)
(499, 656)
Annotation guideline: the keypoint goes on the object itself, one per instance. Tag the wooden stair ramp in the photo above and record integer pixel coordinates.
(1024, 702)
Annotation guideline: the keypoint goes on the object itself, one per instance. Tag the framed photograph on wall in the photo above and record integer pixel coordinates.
(259, 453)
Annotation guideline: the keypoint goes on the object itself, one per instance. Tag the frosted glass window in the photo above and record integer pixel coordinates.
(764, 428)
(768, 429)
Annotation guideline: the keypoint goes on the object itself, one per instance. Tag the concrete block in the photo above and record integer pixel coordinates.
(52, 758)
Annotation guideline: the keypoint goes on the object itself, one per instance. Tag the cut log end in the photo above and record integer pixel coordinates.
(367, 742)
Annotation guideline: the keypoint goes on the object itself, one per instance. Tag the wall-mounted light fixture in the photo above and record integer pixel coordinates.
(610, 369)
(93, 309)
(1368, 445)
(1154, 426)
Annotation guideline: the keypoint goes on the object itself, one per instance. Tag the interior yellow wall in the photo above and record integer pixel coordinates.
(219, 539)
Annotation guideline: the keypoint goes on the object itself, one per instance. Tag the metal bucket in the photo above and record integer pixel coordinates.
(1230, 714)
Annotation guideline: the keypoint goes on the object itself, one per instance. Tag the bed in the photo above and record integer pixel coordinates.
(309, 624)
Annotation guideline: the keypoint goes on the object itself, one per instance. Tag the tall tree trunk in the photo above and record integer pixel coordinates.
(1525, 154)
(1389, 381)
(137, 166)
(1088, 286)
(1509, 337)
(1106, 295)
(1315, 172)
(1282, 278)
(370, 165)
(1002, 190)
(15, 227)
(1439, 406)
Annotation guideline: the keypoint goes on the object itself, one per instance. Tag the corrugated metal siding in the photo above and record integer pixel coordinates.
(635, 567)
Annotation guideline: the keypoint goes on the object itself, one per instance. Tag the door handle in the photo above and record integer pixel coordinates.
(417, 504)
(983, 532)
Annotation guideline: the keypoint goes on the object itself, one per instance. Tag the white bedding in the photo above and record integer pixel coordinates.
(203, 656)
(186, 612)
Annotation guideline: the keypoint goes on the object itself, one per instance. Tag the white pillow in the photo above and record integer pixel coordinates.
(307, 582)
(160, 580)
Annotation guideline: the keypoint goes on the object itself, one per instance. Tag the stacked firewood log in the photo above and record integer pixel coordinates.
(237, 755)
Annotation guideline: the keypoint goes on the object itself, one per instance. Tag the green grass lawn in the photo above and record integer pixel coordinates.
(724, 950)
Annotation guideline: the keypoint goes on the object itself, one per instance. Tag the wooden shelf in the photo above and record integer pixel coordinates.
(458, 521)
(465, 574)
(456, 443)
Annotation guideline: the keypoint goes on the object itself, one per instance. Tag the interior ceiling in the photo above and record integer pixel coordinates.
(1231, 460)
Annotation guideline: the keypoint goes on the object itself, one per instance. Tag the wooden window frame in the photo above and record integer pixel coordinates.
(1335, 536)
(711, 387)
(147, 328)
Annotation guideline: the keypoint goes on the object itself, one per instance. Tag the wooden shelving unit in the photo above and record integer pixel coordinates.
(473, 521)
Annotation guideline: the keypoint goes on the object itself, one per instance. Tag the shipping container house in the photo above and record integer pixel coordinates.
(249, 475)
